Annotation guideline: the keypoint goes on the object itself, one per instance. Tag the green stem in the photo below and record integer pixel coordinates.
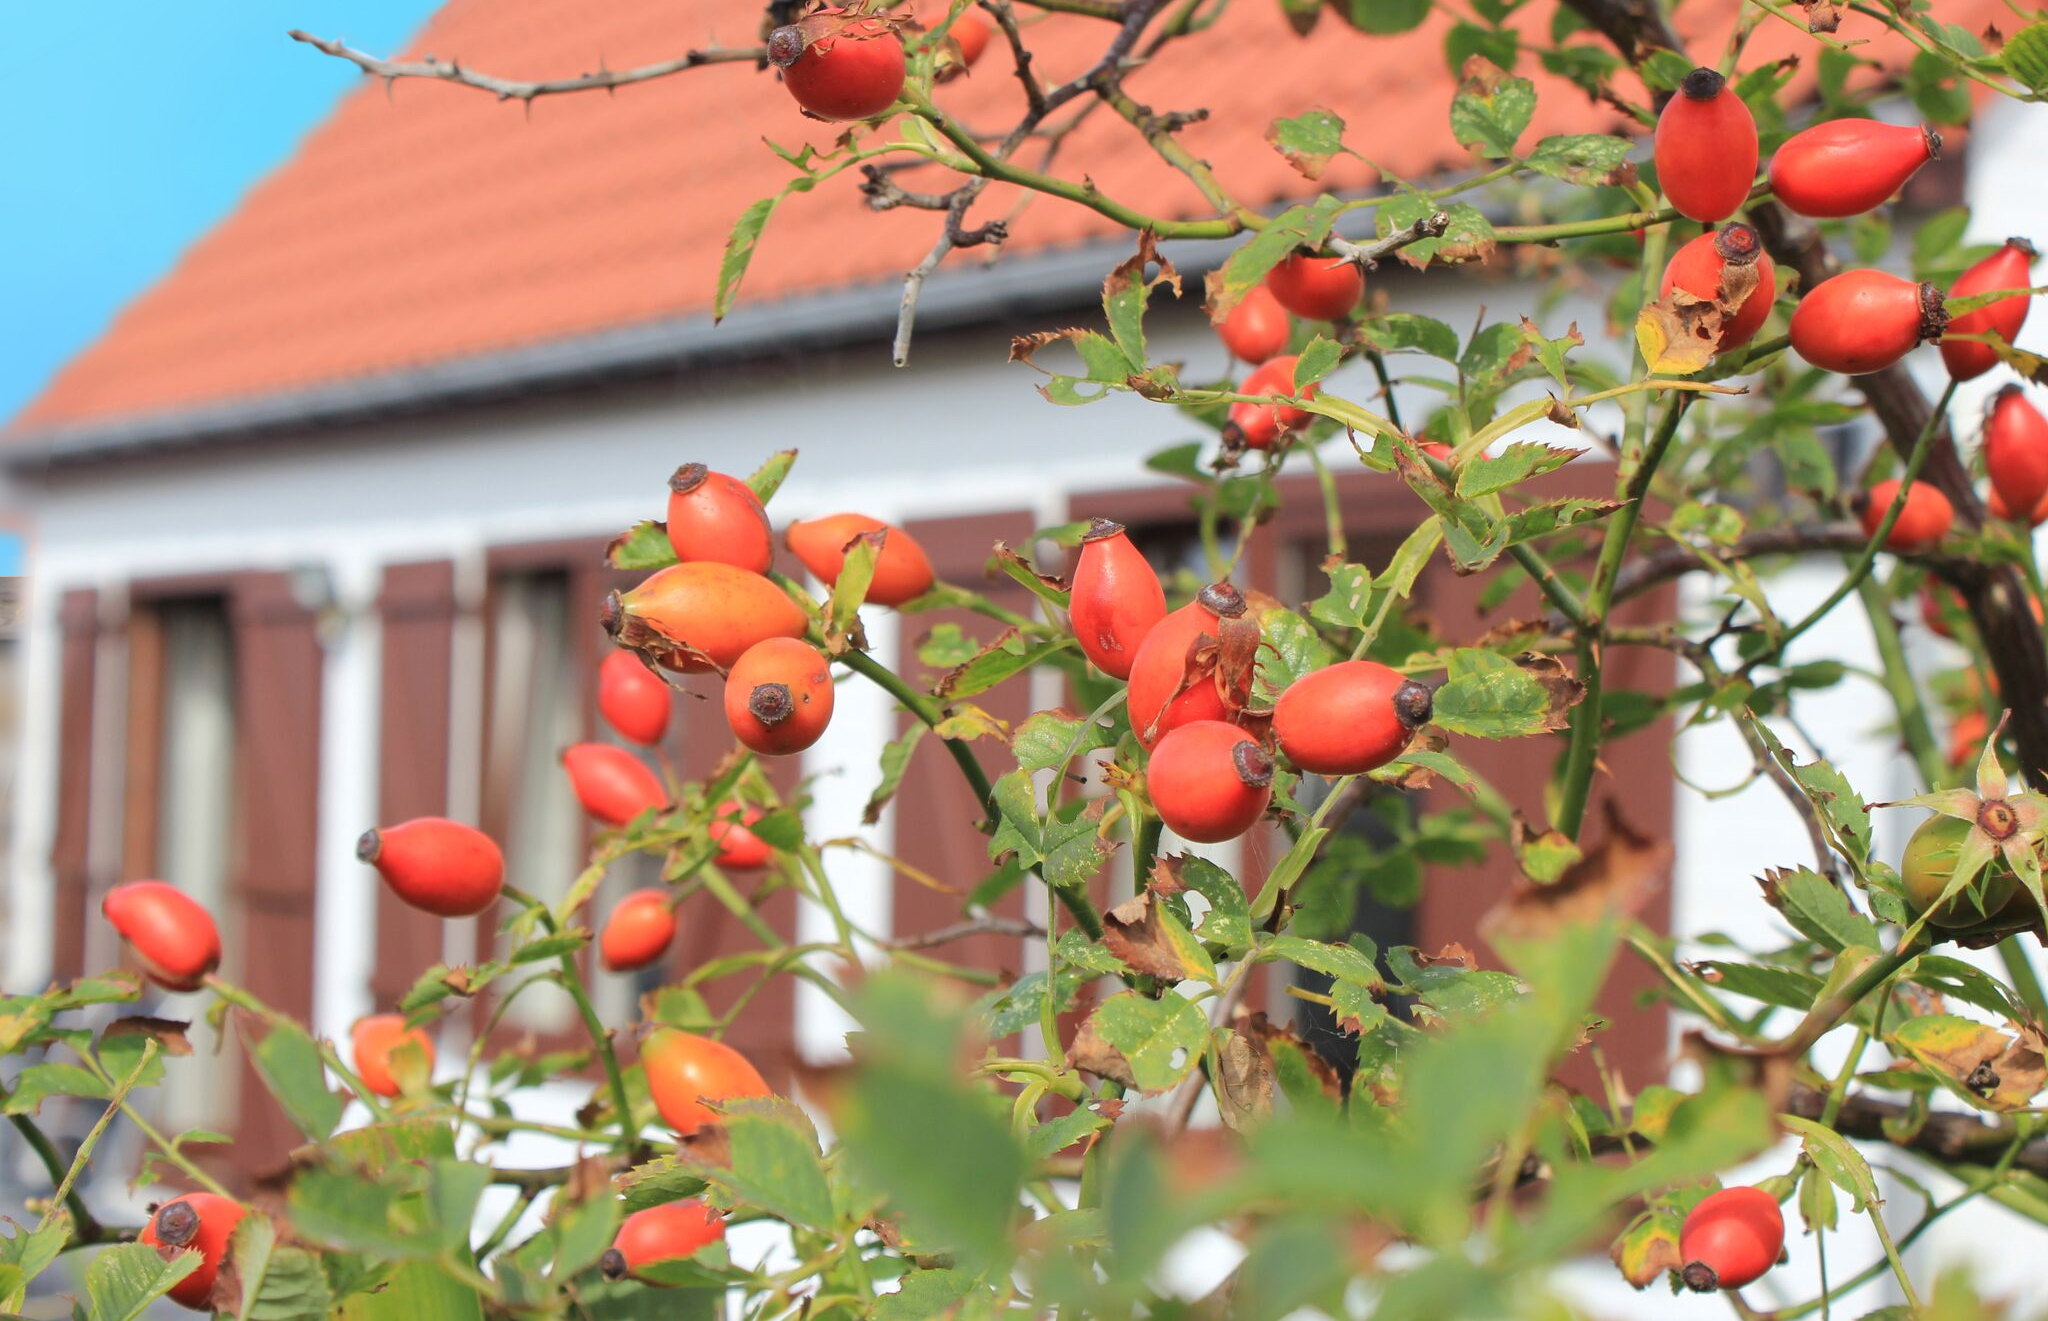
(1859, 568)
(1891, 1254)
(926, 710)
(39, 1142)
(1897, 679)
(1333, 506)
(1144, 849)
(600, 1036)
(2025, 981)
(504, 1226)
(1584, 752)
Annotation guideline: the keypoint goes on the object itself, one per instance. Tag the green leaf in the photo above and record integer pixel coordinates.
(1345, 604)
(1066, 844)
(1412, 558)
(1487, 695)
(661, 1180)
(1484, 474)
(1289, 648)
(767, 479)
(644, 545)
(1489, 120)
(38, 1082)
(1936, 91)
(124, 1280)
(1228, 921)
(1833, 1156)
(775, 1163)
(940, 1151)
(739, 251)
(290, 1066)
(1056, 1135)
(1159, 1040)
(1580, 158)
(1384, 17)
(27, 1253)
(1317, 360)
(2026, 55)
(1813, 905)
(925, 1294)
(1046, 739)
(1295, 228)
(895, 761)
(1308, 141)
(850, 588)
(1397, 332)
(294, 1285)
(1009, 654)
(1468, 235)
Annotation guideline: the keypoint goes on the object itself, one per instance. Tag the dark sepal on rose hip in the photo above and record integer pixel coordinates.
(688, 478)
(1222, 600)
(1702, 84)
(1414, 704)
(1933, 312)
(1700, 1277)
(785, 46)
(613, 1264)
(1254, 765)
(177, 1224)
(369, 845)
(612, 615)
(1101, 529)
(1738, 244)
(771, 703)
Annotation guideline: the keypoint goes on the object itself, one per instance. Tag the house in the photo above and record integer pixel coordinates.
(318, 523)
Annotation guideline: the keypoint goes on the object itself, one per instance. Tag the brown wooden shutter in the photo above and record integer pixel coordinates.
(417, 606)
(937, 817)
(79, 634)
(277, 765)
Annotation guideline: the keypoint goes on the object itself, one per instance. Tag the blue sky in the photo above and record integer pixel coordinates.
(134, 128)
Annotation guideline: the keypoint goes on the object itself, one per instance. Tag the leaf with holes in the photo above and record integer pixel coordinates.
(1140, 1042)
(1308, 141)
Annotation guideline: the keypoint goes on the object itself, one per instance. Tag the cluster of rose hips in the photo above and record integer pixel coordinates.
(1188, 679)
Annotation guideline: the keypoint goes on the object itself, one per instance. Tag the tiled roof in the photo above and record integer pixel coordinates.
(425, 223)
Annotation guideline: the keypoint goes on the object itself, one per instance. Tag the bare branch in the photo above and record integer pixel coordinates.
(508, 89)
(981, 926)
(1367, 255)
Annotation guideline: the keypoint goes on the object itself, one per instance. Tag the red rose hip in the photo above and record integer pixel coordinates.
(1923, 522)
(632, 698)
(1701, 269)
(715, 517)
(778, 698)
(1730, 1239)
(739, 849)
(661, 1233)
(1349, 718)
(371, 1042)
(639, 930)
(1864, 321)
(1848, 166)
(1257, 426)
(612, 784)
(2008, 268)
(1706, 149)
(1256, 328)
(839, 65)
(902, 570)
(685, 1070)
(2016, 450)
(173, 937)
(439, 866)
(1167, 686)
(1116, 599)
(1210, 781)
(197, 1222)
(1317, 288)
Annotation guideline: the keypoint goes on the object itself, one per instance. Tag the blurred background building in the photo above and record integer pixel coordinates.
(318, 522)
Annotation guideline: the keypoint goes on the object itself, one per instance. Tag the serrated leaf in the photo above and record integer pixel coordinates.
(1484, 474)
(1580, 158)
(1490, 113)
(2026, 55)
(739, 251)
(1046, 739)
(1384, 17)
(767, 479)
(775, 1163)
(1143, 1043)
(124, 1280)
(644, 545)
(1813, 905)
(1228, 921)
(1308, 141)
(1397, 332)
(1487, 695)
(1316, 361)
(895, 761)
(290, 1066)
(1009, 654)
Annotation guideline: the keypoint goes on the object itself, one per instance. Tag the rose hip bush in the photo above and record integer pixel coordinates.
(1035, 1145)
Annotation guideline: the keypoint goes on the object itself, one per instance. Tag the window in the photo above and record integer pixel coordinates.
(534, 712)
(193, 824)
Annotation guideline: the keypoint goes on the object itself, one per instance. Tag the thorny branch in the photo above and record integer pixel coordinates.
(510, 89)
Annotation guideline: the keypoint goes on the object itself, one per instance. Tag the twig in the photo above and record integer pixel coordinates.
(980, 926)
(510, 89)
(1367, 255)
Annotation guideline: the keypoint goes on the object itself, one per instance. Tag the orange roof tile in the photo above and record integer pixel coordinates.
(428, 223)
